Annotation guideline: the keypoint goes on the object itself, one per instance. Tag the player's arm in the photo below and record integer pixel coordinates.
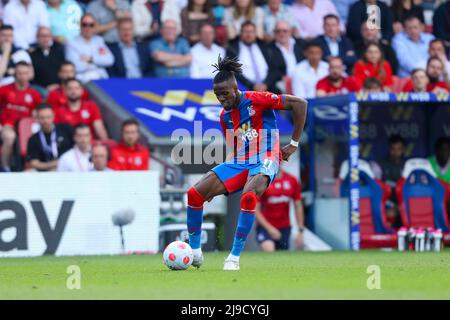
(299, 107)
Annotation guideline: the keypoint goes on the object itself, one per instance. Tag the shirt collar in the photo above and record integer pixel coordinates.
(328, 39)
(291, 44)
(123, 45)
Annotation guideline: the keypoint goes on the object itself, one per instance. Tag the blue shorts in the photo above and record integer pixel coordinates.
(234, 175)
(282, 244)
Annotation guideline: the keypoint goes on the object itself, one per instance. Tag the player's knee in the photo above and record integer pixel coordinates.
(249, 201)
(195, 199)
(8, 136)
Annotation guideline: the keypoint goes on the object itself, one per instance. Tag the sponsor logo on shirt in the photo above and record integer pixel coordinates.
(278, 199)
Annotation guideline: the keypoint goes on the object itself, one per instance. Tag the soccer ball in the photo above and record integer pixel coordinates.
(178, 255)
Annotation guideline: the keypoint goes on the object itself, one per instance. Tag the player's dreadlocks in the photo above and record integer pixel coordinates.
(227, 68)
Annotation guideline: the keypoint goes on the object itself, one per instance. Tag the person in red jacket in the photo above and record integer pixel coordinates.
(56, 95)
(78, 111)
(129, 154)
(336, 82)
(435, 71)
(273, 228)
(17, 101)
(374, 65)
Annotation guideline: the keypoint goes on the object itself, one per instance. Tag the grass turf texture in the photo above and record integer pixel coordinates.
(287, 275)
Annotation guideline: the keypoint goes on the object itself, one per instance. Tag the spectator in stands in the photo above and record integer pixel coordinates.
(309, 71)
(441, 22)
(391, 168)
(64, 17)
(78, 159)
(17, 101)
(260, 70)
(88, 52)
(287, 49)
(107, 13)
(273, 228)
(342, 7)
(309, 15)
(145, 25)
(205, 53)
(358, 14)
(437, 49)
(374, 65)
(100, 156)
(435, 71)
(129, 154)
(372, 85)
(274, 12)
(441, 160)
(131, 58)
(334, 43)
(171, 53)
(77, 111)
(193, 16)
(419, 80)
(238, 13)
(51, 141)
(403, 9)
(10, 55)
(56, 95)
(411, 45)
(47, 57)
(25, 16)
(336, 82)
(369, 35)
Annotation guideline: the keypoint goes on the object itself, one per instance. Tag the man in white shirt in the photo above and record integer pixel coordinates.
(205, 53)
(25, 16)
(88, 52)
(308, 72)
(78, 159)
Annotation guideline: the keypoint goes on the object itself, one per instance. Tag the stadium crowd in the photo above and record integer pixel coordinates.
(50, 50)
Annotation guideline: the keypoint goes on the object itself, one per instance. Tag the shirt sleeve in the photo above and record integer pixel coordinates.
(297, 190)
(96, 115)
(33, 150)
(269, 100)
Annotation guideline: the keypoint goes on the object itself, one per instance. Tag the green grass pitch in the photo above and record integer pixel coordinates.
(287, 275)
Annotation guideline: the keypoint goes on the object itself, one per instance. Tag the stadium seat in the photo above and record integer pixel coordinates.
(423, 197)
(399, 83)
(26, 128)
(374, 229)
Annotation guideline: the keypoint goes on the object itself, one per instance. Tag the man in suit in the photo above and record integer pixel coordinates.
(286, 49)
(47, 57)
(261, 71)
(334, 44)
(131, 58)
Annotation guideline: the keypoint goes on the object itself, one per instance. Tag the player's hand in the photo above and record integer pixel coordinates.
(287, 151)
(299, 241)
(274, 233)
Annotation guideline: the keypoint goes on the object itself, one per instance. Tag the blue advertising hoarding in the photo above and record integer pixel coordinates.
(164, 105)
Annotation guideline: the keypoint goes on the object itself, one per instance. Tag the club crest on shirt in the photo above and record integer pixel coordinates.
(85, 114)
(250, 110)
(138, 161)
(274, 97)
(286, 185)
(28, 98)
